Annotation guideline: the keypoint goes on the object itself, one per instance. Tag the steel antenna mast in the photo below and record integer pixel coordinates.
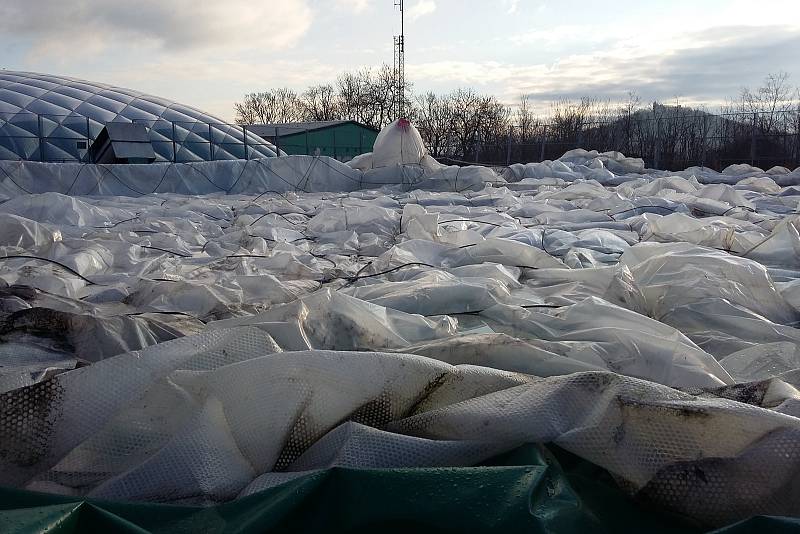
(399, 64)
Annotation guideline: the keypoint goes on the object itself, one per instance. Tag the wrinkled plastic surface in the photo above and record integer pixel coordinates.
(203, 344)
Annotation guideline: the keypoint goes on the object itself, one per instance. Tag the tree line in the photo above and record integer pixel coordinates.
(760, 125)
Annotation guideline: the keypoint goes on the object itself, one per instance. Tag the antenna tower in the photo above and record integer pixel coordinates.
(399, 65)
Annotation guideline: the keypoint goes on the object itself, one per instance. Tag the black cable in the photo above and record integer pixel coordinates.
(184, 314)
(180, 254)
(244, 168)
(213, 217)
(253, 201)
(280, 241)
(120, 222)
(475, 221)
(247, 256)
(281, 178)
(106, 169)
(478, 312)
(204, 175)
(364, 268)
(318, 256)
(279, 215)
(340, 172)
(65, 267)
(80, 170)
(675, 209)
(475, 163)
(163, 176)
(321, 257)
(307, 176)
(352, 279)
(14, 181)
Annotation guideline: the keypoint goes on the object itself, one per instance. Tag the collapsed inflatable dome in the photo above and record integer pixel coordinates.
(297, 344)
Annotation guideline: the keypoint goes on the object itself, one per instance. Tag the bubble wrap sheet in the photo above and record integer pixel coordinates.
(211, 417)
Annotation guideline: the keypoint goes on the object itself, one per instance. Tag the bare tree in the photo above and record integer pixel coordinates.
(368, 95)
(320, 103)
(764, 122)
(524, 118)
(272, 106)
(626, 113)
(355, 96)
(494, 128)
(384, 91)
(771, 101)
(465, 104)
(568, 118)
(435, 122)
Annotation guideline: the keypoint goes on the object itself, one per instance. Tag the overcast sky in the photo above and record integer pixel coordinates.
(208, 54)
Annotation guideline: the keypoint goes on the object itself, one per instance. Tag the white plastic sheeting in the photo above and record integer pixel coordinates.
(399, 143)
(200, 343)
(294, 173)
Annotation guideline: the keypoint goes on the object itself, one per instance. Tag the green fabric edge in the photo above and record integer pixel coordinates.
(532, 489)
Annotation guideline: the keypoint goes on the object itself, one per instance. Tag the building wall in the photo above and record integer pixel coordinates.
(342, 142)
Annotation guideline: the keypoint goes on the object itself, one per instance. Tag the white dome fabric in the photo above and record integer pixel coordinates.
(399, 143)
(65, 110)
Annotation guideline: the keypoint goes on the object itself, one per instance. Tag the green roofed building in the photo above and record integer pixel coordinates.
(342, 140)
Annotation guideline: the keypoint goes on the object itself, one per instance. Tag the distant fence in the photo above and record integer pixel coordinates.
(69, 138)
(672, 142)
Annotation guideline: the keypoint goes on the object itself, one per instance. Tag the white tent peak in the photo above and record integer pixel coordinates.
(398, 143)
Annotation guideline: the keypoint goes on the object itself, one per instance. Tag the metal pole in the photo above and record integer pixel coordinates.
(797, 134)
(399, 63)
(544, 141)
(333, 131)
(628, 135)
(307, 148)
(508, 145)
(41, 144)
(210, 144)
(277, 142)
(244, 136)
(705, 140)
(88, 144)
(753, 140)
(174, 145)
(657, 151)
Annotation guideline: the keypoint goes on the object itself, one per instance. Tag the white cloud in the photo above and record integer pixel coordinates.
(566, 33)
(421, 8)
(213, 86)
(512, 6)
(206, 53)
(356, 6)
(699, 67)
(178, 25)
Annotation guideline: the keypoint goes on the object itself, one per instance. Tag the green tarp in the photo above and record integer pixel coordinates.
(530, 490)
